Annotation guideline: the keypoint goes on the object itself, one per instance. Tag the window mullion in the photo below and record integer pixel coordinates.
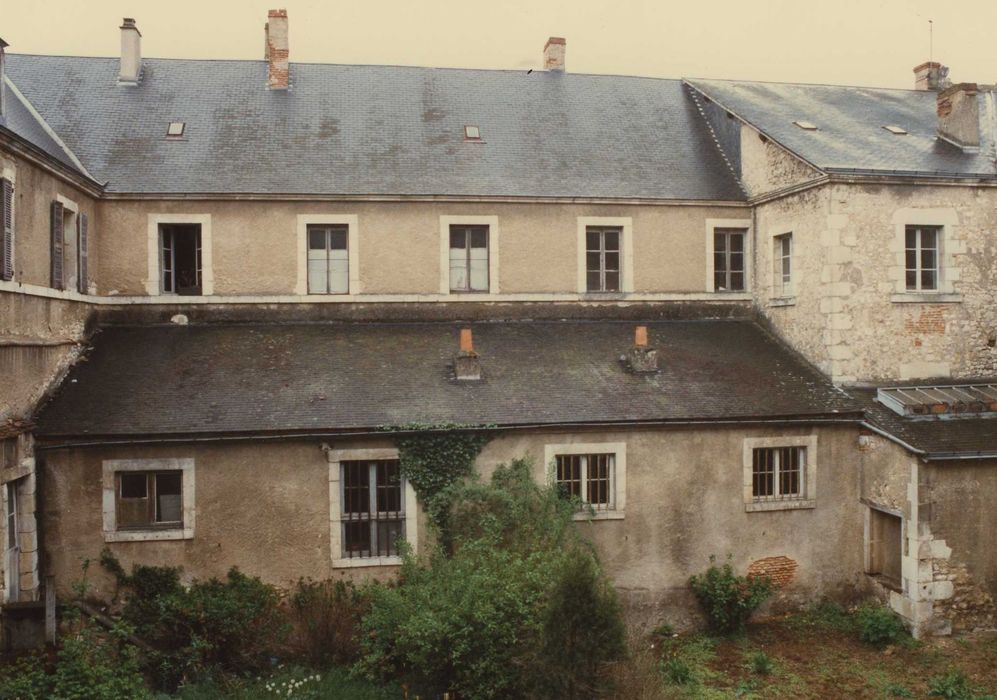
(777, 472)
(372, 508)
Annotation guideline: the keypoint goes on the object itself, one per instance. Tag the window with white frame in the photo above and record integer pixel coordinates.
(593, 473)
(328, 259)
(780, 472)
(468, 258)
(728, 259)
(602, 258)
(148, 499)
(784, 264)
(373, 508)
(921, 258)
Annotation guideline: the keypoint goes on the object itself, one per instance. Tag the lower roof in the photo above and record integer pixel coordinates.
(331, 377)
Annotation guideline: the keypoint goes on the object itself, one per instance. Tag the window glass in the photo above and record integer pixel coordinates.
(728, 260)
(134, 485)
(587, 476)
(469, 259)
(921, 258)
(372, 509)
(168, 497)
(328, 260)
(602, 259)
(778, 472)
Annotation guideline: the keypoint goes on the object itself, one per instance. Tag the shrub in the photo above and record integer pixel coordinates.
(879, 626)
(727, 599)
(951, 686)
(761, 663)
(326, 617)
(677, 670)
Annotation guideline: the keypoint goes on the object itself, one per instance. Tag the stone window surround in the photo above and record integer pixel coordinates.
(810, 478)
(712, 224)
(153, 283)
(110, 467)
(492, 222)
(777, 298)
(626, 226)
(867, 535)
(947, 219)
(335, 458)
(618, 449)
(352, 221)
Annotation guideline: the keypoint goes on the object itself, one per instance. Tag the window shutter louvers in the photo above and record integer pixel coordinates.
(82, 276)
(7, 221)
(56, 247)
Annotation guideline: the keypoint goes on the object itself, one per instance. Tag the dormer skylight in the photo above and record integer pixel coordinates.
(898, 130)
(940, 401)
(472, 133)
(803, 124)
(175, 130)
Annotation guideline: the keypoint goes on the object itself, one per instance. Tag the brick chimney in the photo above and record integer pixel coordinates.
(467, 364)
(642, 358)
(959, 116)
(131, 53)
(554, 54)
(931, 75)
(277, 55)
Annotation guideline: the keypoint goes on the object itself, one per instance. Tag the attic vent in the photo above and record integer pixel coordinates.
(940, 400)
(898, 130)
(472, 133)
(175, 129)
(809, 126)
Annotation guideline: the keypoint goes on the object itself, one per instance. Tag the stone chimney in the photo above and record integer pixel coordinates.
(931, 76)
(642, 358)
(959, 116)
(131, 53)
(554, 54)
(278, 63)
(467, 364)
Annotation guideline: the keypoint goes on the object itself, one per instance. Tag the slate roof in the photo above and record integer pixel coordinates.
(283, 378)
(850, 121)
(19, 120)
(380, 130)
(937, 438)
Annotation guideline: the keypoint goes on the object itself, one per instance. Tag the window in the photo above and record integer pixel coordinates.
(472, 133)
(784, 264)
(180, 259)
(175, 130)
(373, 511)
(884, 538)
(149, 500)
(728, 259)
(328, 259)
(468, 258)
(778, 472)
(6, 229)
(602, 259)
(922, 257)
(588, 477)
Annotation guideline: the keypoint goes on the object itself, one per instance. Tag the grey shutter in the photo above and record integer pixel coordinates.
(56, 246)
(82, 275)
(7, 220)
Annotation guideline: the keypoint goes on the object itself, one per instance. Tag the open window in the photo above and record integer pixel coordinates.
(149, 499)
(180, 259)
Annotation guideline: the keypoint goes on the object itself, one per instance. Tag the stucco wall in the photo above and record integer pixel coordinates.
(254, 244)
(264, 508)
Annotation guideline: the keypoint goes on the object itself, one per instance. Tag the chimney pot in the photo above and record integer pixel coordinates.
(467, 364)
(959, 116)
(466, 340)
(640, 337)
(277, 50)
(130, 72)
(554, 51)
(931, 75)
(642, 358)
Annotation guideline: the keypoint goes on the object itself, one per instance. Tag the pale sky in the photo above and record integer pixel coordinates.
(848, 42)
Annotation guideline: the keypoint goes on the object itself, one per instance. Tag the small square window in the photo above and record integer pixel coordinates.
(472, 133)
(175, 129)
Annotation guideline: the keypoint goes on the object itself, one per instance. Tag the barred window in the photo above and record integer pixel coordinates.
(778, 473)
(728, 259)
(373, 515)
(589, 477)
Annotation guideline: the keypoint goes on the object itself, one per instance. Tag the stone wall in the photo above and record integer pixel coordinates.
(767, 167)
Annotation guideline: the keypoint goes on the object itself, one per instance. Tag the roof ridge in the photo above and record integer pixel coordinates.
(784, 82)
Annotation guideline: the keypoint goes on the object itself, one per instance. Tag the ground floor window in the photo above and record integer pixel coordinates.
(778, 472)
(884, 539)
(373, 508)
(588, 477)
(180, 259)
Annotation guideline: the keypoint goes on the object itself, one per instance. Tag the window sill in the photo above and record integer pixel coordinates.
(782, 301)
(600, 515)
(925, 298)
(148, 535)
(363, 562)
(759, 506)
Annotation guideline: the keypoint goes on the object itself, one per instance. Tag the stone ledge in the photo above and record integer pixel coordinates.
(782, 301)
(925, 298)
(780, 505)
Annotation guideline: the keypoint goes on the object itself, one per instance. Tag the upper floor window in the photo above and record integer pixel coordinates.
(784, 264)
(180, 259)
(6, 229)
(922, 248)
(778, 472)
(149, 499)
(328, 259)
(468, 258)
(373, 508)
(602, 258)
(728, 259)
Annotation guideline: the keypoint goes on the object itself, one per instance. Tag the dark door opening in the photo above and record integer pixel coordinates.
(885, 548)
(181, 259)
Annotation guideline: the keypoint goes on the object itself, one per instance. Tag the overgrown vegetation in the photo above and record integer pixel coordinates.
(496, 616)
(325, 618)
(880, 626)
(728, 599)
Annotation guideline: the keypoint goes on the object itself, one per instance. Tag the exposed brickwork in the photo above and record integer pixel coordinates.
(781, 570)
(930, 320)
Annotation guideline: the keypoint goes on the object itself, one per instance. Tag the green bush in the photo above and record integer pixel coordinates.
(677, 671)
(481, 621)
(951, 686)
(727, 599)
(326, 618)
(879, 626)
(761, 663)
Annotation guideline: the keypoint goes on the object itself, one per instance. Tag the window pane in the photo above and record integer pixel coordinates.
(593, 261)
(479, 276)
(612, 261)
(763, 473)
(593, 240)
(316, 239)
(134, 485)
(388, 534)
(458, 276)
(611, 240)
(389, 487)
(317, 276)
(168, 498)
(737, 281)
(612, 282)
(720, 263)
(787, 245)
(338, 239)
(593, 281)
(356, 538)
(911, 237)
(479, 238)
(356, 488)
(928, 259)
(929, 238)
(928, 279)
(719, 243)
(339, 277)
(911, 279)
(458, 238)
(569, 474)
(720, 280)
(598, 479)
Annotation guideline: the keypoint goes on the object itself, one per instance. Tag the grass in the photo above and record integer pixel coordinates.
(290, 684)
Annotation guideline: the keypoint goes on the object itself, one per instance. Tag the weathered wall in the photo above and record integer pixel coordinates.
(264, 507)
(767, 167)
(848, 258)
(255, 244)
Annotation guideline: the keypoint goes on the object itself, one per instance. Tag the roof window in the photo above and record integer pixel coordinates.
(809, 126)
(472, 133)
(175, 130)
(898, 130)
(940, 401)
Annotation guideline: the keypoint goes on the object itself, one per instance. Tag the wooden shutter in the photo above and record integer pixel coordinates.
(56, 245)
(82, 274)
(7, 221)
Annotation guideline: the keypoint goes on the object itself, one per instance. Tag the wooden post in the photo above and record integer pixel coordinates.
(50, 610)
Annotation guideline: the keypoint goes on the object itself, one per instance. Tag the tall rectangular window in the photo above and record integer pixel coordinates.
(373, 512)
(468, 258)
(587, 476)
(728, 259)
(921, 256)
(778, 472)
(149, 499)
(784, 264)
(180, 258)
(328, 259)
(602, 259)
